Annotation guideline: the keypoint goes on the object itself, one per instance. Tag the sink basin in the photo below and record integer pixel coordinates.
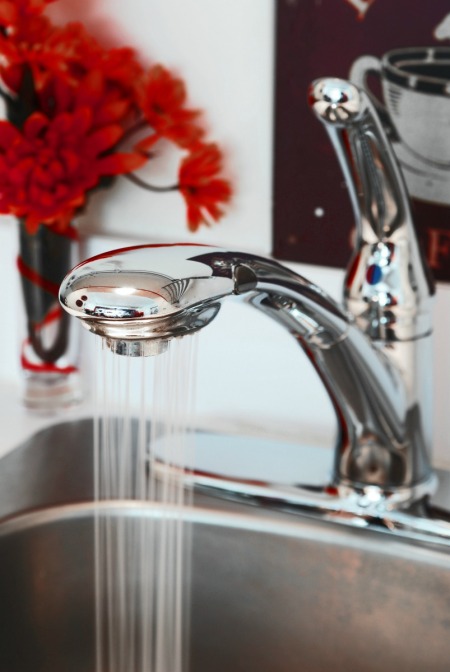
(271, 592)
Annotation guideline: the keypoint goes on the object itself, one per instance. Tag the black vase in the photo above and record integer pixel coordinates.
(50, 349)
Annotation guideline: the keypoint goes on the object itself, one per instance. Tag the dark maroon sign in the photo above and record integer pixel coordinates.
(400, 53)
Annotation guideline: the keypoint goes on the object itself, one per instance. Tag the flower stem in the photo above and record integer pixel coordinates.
(150, 187)
(138, 126)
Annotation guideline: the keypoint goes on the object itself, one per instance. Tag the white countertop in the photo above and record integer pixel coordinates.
(19, 424)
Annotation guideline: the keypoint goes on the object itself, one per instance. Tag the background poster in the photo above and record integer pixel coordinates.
(313, 218)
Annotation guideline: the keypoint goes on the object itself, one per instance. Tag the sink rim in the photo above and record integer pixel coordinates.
(60, 477)
(298, 527)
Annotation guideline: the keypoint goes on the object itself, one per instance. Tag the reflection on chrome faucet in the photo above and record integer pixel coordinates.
(373, 355)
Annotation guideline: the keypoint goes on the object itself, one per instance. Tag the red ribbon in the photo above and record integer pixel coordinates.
(33, 276)
(48, 367)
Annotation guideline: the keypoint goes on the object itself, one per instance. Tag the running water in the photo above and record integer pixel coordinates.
(143, 545)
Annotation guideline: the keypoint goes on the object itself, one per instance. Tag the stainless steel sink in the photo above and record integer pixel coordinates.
(271, 592)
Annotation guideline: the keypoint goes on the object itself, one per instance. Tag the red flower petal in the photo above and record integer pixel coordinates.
(108, 113)
(8, 13)
(203, 190)
(8, 134)
(35, 125)
(82, 120)
(116, 164)
(163, 104)
(93, 86)
(105, 138)
(71, 161)
(32, 223)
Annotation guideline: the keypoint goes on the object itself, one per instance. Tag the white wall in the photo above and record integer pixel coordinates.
(251, 375)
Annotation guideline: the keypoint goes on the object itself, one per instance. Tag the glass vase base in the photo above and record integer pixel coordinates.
(51, 392)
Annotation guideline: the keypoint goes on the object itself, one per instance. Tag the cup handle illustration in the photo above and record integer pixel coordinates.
(361, 68)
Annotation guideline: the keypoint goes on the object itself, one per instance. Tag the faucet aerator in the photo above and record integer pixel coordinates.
(146, 348)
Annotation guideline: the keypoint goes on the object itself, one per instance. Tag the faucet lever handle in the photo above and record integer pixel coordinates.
(387, 286)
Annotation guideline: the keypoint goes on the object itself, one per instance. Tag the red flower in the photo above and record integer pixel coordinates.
(201, 186)
(12, 11)
(80, 53)
(163, 104)
(47, 170)
(24, 32)
(108, 104)
(88, 98)
(69, 52)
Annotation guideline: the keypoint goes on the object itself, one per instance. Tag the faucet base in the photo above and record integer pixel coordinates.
(399, 513)
(388, 497)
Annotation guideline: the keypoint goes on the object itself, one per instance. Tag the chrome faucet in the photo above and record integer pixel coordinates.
(373, 355)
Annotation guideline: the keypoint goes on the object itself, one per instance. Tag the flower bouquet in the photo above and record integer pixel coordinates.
(78, 115)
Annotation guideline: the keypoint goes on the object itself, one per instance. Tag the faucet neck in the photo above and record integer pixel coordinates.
(383, 436)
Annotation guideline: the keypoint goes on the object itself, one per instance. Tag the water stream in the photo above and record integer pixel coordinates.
(142, 560)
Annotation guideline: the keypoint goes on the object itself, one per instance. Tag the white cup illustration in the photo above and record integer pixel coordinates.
(415, 109)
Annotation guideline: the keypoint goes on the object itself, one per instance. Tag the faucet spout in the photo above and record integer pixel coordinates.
(154, 293)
